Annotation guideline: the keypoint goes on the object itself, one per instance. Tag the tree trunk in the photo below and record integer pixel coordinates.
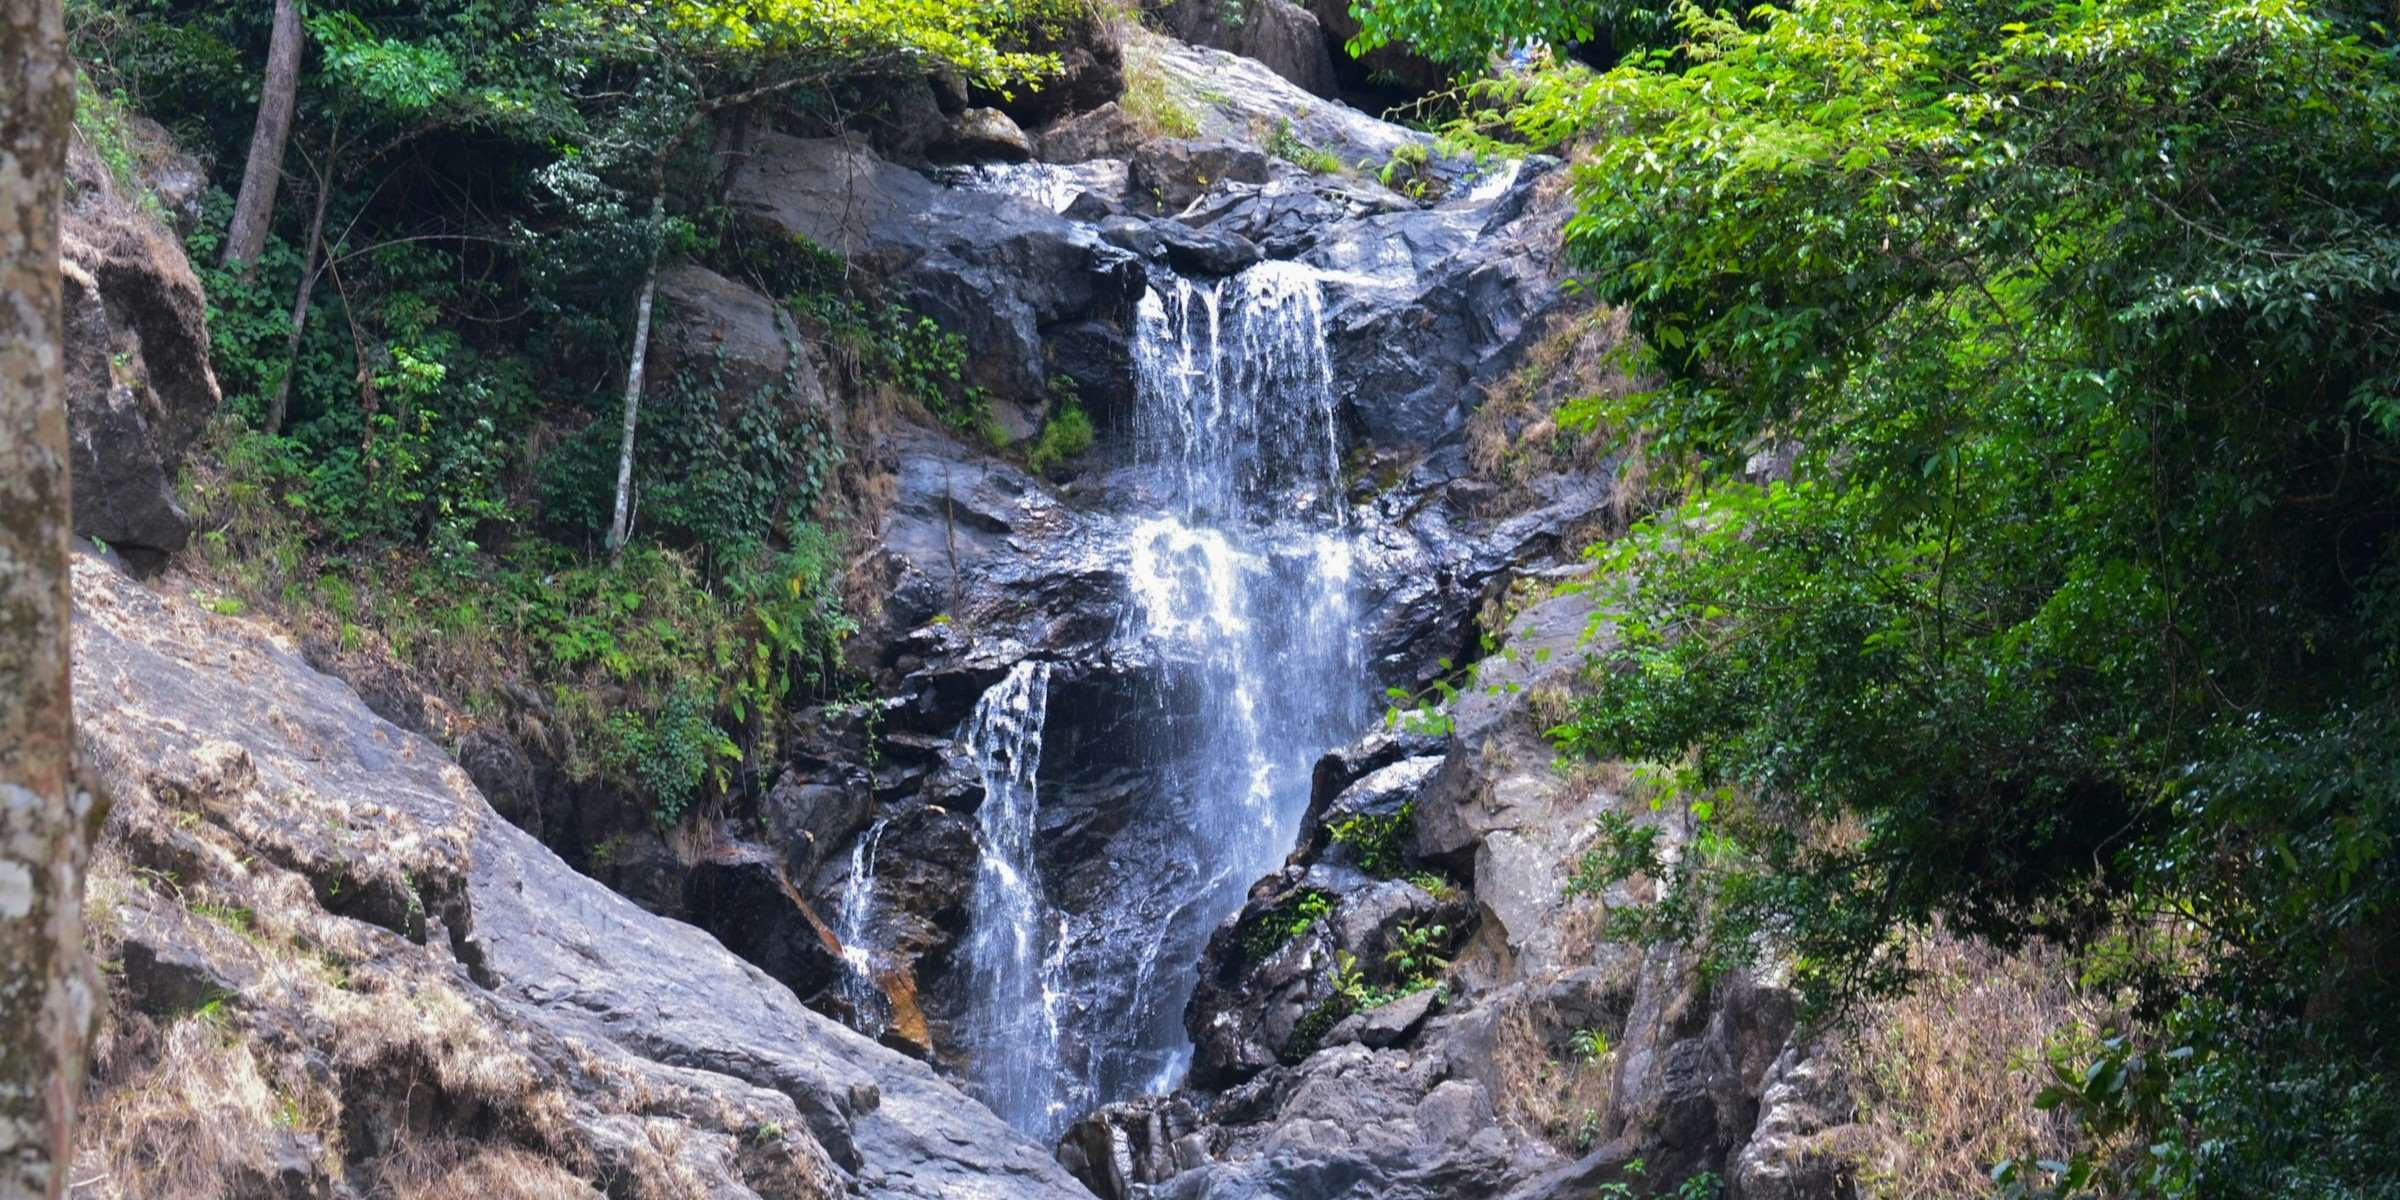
(46, 999)
(254, 209)
(308, 285)
(620, 525)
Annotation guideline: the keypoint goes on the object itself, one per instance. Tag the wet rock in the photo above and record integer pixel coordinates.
(983, 135)
(1205, 252)
(809, 820)
(138, 383)
(1431, 304)
(1171, 173)
(994, 268)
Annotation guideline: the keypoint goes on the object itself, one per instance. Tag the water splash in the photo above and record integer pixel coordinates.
(854, 925)
(1014, 951)
(1240, 589)
(1234, 403)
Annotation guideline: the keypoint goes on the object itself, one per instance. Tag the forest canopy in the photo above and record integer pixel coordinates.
(2075, 616)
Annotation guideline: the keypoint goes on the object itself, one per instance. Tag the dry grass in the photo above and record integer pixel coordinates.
(1151, 99)
(1547, 1088)
(1515, 433)
(1939, 1074)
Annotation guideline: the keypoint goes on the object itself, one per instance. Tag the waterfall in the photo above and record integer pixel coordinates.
(1240, 581)
(1013, 952)
(853, 924)
(1238, 560)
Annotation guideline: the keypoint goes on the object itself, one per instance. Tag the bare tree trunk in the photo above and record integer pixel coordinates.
(308, 285)
(620, 525)
(254, 208)
(46, 987)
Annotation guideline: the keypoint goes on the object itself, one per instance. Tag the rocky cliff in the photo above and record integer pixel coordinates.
(337, 970)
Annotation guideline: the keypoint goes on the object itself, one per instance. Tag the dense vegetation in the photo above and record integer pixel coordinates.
(424, 367)
(2075, 616)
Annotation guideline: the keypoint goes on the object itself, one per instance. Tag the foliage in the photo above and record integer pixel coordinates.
(1590, 1044)
(1465, 34)
(100, 121)
(1287, 145)
(672, 751)
(1066, 436)
(1378, 841)
(1152, 103)
(1288, 920)
(1418, 955)
(2077, 608)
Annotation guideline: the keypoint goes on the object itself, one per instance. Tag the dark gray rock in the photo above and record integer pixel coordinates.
(983, 135)
(994, 268)
(1431, 305)
(1205, 252)
(138, 383)
(1104, 132)
(808, 820)
(1170, 173)
(1088, 42)
(1385, 1024)
(504, 774)
(1284, 37)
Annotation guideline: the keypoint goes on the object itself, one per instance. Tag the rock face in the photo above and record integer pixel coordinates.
(139, 387)
(1004, 274)
(430, 988)
(1278, 34)
(1473, 1088)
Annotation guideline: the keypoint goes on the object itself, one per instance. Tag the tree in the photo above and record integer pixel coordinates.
(46, 997)
(655, 75)
(2079, 615)
(254, 208)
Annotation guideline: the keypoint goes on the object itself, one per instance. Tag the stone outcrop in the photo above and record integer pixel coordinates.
(427, 986)
(1277, 34)
(1006, 275)
(139, 386)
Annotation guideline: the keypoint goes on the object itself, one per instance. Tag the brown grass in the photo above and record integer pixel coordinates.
(1546, 1088)
(1940, 1075)
(1516, 434)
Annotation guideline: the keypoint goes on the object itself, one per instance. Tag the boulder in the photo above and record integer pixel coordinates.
(713, 327)
(1385, 1024)
(1089, 43)
(1431, 306)
(1170, 173)
(139, 387)
(983, 135)
(1104, 132)
(1280, 35)
(995, 268)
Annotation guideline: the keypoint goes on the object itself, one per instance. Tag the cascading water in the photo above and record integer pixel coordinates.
(854, 925)
(1012, 953)
(1239, 565)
